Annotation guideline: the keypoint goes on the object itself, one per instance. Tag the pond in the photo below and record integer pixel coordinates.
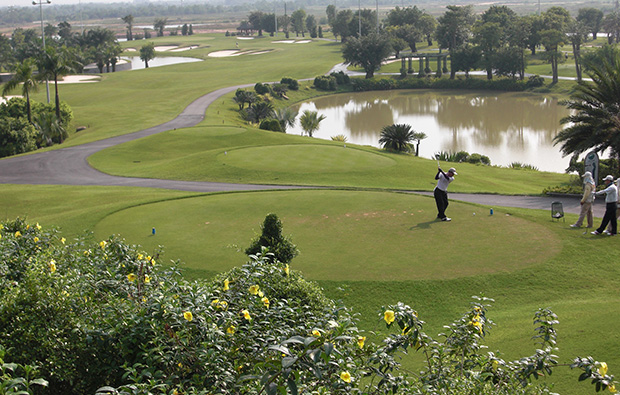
(137, 63)
(506, 127)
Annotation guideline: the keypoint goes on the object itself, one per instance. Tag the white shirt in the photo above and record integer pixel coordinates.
(443, 182)
(612, 193)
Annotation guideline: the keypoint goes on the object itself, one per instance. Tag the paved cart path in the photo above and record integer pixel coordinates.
(69, 166)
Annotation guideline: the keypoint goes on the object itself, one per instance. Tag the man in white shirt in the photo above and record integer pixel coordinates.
(611, 205)
(441, 192)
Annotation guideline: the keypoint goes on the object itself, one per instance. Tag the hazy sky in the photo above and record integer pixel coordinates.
(24, 3)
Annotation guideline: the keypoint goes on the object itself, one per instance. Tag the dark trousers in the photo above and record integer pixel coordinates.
(610, 216)
(441, 198)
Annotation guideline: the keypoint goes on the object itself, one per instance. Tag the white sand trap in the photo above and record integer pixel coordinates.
(245, 38)
(184, 48)
(284, 42)
(223, 54)
(6, 98)
(303, 42)
(166, 47)
(131, 49)
(258, 52)
(79, 79)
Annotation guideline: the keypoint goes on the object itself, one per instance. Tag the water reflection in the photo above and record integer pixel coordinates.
(507, 127)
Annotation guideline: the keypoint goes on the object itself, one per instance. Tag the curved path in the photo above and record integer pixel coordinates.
(69, 166)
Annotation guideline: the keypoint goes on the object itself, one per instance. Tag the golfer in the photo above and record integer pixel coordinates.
(586, 201)
(611, 205)
(618, 209)
(441, 191)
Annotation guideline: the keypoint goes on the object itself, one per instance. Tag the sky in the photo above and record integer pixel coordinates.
(24, 3)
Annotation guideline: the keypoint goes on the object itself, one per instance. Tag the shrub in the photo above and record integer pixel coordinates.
(535, 81)
(272, 238)
(477, 158)
(17, 136)
(341, 77)
(325, 82)
(261, 88)
(461, 156)
(271, 124)
(290, 82)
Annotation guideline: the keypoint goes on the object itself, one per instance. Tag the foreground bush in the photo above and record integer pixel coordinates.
(105, 317)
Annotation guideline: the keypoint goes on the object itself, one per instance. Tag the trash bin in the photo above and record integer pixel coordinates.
(557, 211)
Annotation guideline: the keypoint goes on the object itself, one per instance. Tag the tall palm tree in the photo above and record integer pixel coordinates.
(128, 19)
(310, 121)
(50, 129)
(24, 74)
(418, 136)
(397, 137)
(595, 122)
(55, 63)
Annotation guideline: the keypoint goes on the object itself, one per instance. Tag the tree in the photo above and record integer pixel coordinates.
(147, 52)
(556, 22)
(53, 64)
(592, 18)
(272, 238)
(24, 74)
(331, 14)
(50, 129)
(128, 19)
(159, 25)
(286, 116)
(340, 25)
(577, 36)
(259, 110)
(428, 26)
(17, 136)
(367, 52)
(298, 19)
(594, 122)
(398, 137)
(311, 26)
(611, 26)
(418, 137)
(310, 121)
(255, 20)
(488, 37)
(454, 28)
(6, 53)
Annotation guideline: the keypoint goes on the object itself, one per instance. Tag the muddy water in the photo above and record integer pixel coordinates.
(506, 127)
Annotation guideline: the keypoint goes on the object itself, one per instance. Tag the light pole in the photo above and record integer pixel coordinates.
(40, 3)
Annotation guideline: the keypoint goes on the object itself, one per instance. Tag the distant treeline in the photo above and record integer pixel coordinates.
(67, 12)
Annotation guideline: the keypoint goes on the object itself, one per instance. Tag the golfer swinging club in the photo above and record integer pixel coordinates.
(441, 191)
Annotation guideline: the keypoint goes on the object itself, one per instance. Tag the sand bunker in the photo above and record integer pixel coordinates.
(292, 42)
(245, 38)
(131, 49)
(79, 79)
(258, 52)
(223, 54)
(184, 48)
(166, 47)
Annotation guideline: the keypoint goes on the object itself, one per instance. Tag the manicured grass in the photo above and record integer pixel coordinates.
(401, 228)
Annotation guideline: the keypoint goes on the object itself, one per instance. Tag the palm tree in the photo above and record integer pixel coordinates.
(286, 117)
(147, 52)
(24, 74)
(50, 129)
(128, 19)
(260, 110)
(159, 25)
(595, 122)
(397, 137)
(418, 136)
(53, 64)
(310, 121)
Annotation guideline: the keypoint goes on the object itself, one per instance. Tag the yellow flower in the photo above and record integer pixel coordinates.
(260, 294)
(246, 315)
(230, 330)
(223, 305)
(188, 315)
(53, 266)
(175, 392)
(180, 365)
(86, 252)
(147, 279)
(265, 301)
(360, 341)
(345, 376)
(253, 289)
(0, 236)
(495, 364)
(27, 226)
(602, 370)
(102, 244)
(131, 277)
(62, 240)
(388, 316)
(215, 302)
(38, 226)
(144, 299)
(316, 333)
(226, 282)
(286, 269)
(36, 239)
(477, 324)
(140, 256)
(612, 388)
(18, 234)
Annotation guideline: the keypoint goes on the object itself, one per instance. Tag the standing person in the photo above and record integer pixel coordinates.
(586, 201)
(608, 230)
(611, 206)
(441, 191)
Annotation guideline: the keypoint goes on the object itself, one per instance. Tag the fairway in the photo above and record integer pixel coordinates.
(342, 235)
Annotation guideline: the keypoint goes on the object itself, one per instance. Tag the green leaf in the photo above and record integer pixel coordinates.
(292, 386)
(288, 362)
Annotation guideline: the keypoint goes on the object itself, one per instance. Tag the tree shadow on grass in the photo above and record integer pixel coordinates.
(424, 225)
